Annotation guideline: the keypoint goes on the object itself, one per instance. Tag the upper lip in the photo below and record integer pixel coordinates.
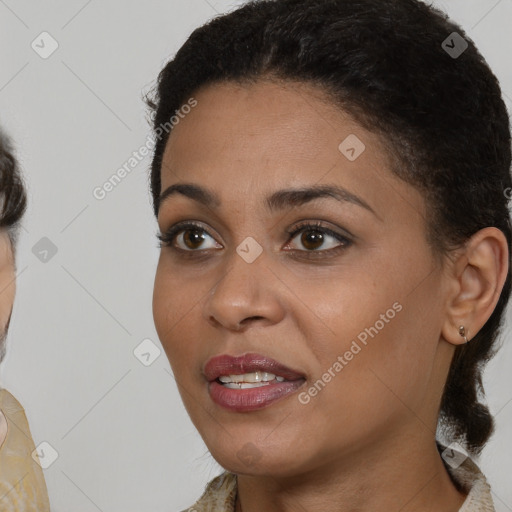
(225, 364)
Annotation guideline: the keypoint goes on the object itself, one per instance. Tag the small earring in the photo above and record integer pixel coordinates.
(462, 332)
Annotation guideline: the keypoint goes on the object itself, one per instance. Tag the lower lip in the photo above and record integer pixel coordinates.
(244, 400)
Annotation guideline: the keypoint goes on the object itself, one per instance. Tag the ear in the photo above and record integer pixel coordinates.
(477, 277)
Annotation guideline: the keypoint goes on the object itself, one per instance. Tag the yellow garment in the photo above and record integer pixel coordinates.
(22, 484)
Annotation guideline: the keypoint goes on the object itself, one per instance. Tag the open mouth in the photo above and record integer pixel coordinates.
(249, 382)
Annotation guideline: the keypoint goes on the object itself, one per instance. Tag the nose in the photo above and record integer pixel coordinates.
(246, 293)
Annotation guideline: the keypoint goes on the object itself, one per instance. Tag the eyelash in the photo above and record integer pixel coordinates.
(166, 239)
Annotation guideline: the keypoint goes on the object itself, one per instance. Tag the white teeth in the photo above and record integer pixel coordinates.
(245, 385)
(249, 380)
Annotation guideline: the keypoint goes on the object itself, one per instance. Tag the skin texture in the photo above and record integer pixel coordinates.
(366, 441)
(7, 293)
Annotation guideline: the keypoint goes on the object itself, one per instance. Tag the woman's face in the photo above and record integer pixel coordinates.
(7, 284)
(352, 306)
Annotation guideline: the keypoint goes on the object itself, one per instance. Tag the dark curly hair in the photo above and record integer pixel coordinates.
(13, 200)
(13, 197)
(441, 116)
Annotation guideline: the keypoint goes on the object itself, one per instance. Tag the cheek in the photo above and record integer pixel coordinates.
(386, 377)
(374, 389)
(386, 336)
(166, 309)
(170, 300)
(173, 314)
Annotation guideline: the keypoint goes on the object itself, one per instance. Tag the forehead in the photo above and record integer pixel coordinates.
(243, 138)
(260, 121)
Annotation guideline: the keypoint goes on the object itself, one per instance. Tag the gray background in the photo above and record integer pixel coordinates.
(123, 438)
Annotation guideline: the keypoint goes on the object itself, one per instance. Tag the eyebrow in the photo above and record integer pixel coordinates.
(278, 200)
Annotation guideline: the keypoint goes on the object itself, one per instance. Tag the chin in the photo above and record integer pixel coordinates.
(245, 463)
(243, 454)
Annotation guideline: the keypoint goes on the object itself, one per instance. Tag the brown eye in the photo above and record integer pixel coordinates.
(193, 238)
(314, 237)
(186, 237)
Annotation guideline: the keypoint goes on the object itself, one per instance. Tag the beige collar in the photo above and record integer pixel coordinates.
(220, 493)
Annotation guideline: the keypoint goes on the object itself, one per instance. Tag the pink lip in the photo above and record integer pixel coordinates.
(244, 400)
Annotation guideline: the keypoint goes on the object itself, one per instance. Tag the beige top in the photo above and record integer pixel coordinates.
(220, 493)
(22, 484)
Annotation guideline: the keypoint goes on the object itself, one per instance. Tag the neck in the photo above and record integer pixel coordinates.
(400, 477)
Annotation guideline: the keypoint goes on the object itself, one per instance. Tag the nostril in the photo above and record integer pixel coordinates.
(241, 324)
